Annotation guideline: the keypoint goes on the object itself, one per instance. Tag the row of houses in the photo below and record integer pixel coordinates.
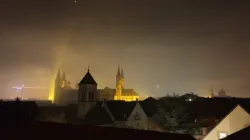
(230, 116)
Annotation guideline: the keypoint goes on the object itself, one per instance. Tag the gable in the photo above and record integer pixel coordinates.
(149, 106)
(137, 113)
(120, 110)
(98, 116)
(234, 121)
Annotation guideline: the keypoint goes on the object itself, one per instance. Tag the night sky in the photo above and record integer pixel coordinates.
(164, 46)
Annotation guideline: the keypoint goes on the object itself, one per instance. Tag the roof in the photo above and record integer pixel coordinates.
(51, 110)
(216, 107)
(129, 92)
(88, 79)
(18, 110)
(149, 106)
(120, 110)
(98, 116)
(243, 134)
(42, 130)
(125, 92)
(107, 91)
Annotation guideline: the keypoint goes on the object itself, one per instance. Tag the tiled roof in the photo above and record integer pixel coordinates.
(42, 130)
(88, 79)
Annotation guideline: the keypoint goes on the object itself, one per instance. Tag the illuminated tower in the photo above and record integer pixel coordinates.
(122, 79)
(118, 92)
(58, 87)
(87, 94)
(64, 82)
(58, 81)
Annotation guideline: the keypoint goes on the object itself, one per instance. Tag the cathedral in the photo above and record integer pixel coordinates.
(64, 93)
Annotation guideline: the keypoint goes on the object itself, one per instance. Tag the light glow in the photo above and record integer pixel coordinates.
(222, 135)
(127, 98)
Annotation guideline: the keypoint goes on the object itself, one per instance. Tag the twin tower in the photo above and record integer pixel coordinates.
(119, 84)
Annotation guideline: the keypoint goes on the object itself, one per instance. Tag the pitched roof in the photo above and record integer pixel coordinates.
(129, 92)
(216, 107)
(98, 116)
(88, 79)
(120, 110)
(243, 134)
(47, 130)
(149, 106)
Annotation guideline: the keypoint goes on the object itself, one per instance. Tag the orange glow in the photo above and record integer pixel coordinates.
(52, 91)
(58, 55)
(127, 98)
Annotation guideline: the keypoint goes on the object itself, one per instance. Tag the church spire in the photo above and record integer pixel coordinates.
(58, 75)
(122, 73)
(118, 72)
(64, 76)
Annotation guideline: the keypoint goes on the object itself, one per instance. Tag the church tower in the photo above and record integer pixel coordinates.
(58, 80)
(58, 87)
(64, 82)
(87, 94)
(118, 92)
(122, 79)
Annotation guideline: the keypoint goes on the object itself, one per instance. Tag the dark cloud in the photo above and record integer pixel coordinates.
(179, 45)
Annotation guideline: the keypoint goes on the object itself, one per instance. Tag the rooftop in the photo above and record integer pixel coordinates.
(39, 130)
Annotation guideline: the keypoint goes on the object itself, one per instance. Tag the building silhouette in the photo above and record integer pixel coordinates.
(64, 93)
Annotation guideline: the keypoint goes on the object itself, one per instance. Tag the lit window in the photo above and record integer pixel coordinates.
(222, 135)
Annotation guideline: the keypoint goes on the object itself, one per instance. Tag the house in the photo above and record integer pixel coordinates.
(18, 111)
(53, 114)
(151, 107)
(243, 134)
(137, 115)
(119, 114)
(236, 120)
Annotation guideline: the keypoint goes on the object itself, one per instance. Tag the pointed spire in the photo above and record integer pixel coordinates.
(64, 76)
(88, 68)
(118, 72)
(122, 73)
(58, 74)
(87, 79)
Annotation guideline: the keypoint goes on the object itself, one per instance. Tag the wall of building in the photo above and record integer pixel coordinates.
(84, 90)
(127, 98)
(83, 108)
(120, 124)
(142, 122)
(239, 119)
(235, 121)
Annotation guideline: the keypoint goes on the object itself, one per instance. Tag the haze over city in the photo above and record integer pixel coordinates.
(166, 47)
